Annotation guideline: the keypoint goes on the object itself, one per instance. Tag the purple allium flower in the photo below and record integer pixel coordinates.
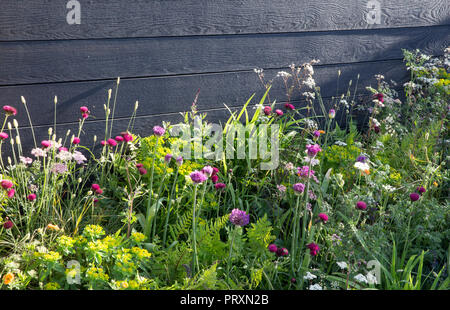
(313, 248)
(421, 190)
(158, 131)
(198, 177)
(316, 134)
(179, 161)
(332, 113)
(361, 205)
(361, 159)
(219, 186)
(312, 150)
(298, 188)
(208, 171)
(168, 158)
(239, 218)
(414, 196)
(273, 248)
(323, 217)
(305, 172)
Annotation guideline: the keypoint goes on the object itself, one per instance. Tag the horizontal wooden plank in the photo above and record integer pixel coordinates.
(174, 94)
(46, 19)
(54, 61)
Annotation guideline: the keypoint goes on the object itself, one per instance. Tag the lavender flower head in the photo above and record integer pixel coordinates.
(239, 218)
(179, 161)
(361, 159)
(198, 177)
(158, 131)
(167, 158)
(298, 188)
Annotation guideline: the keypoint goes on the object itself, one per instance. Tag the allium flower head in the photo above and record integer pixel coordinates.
(198, 177)
(298, 188)
(208, 171)
(316, 134)
(220, 185)
(361, 205)
(9, 110)
(361, 159)
(239, 218)
(179, 161)
(158, 131)
(167, 158)
(312, 150)
(273, 248)
(414, 196)
(313, 248)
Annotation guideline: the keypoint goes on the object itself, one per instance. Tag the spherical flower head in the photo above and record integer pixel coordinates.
(3, 135)
(313, 249)
(323, 217)
(312, 150)
(8, 224)
(168, 158)
(282, 252)
(361, 159)
(84, 109)
(289, 106)
(414, 196)
(111, 142)
(179, 161)
(273, 248)
(45, 144)
(142, 171)
(299, 188)
(76, 140)
(293, 280)
(332, 113)
(239, 217)
(421, 190)
(103, 142)
(6, 184)
(279, 112)
(31, 197)
(11, 193)
(215, 171)
(219, 186)
(198, 177)
(267, 110)
(158, 131)
(95, 187)
(126, 136)
(9, 110)
(119, 138)
(316, 134)
(361, 205)
(85, 115)
(208, 171)
(99, 191)
(214, 178)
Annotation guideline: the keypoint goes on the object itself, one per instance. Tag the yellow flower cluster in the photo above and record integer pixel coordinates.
(140, 253)
(52, 286)
(93, 231)
(50, 257)
(138, 237)
(96, 274)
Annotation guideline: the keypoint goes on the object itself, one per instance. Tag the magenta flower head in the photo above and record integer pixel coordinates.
(111, 142)
(273, 248)
(158, 131)
(198, 177)
(289, 106)
(361, 205)
(63, 149)
(119, 138)
(279, 112)
(323, 217)
(142, 171)
(282, 252)
(168, 158)
(332, 114)
(379, 97)
(3, 135)
(208, 171)
(239, 217)
(8, 224)
(45, 144)
(414, 196)
(96, 188)
(179, 161)
(215, 171)
(84, 109)
(6, 184)
(138, 165)
(214, 178)
(219, 186)
(267, 110)
(103, 143)
(9, 110)
(11, 193)
(76, 140)
(313, 248)
(126, 136)
(299, 188)
(312, 150)
(316, 134)
(421, 190)
(31, 197)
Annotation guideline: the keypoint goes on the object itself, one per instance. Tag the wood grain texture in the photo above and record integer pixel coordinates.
(55, 61)
(46, 19)
(174, 94)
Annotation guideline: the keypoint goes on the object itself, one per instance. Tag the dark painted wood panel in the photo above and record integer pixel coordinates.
(53, 61)
(174, 94)
(46, 19)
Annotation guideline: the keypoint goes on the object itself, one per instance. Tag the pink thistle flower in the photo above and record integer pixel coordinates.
(127, 137)
(215, 171)
(84, 109)
(361, 205)
(267, 110)
(11, 193)
(273, 248)
(289, 106)
(9, 110)
(158, 131)
(6, 184)
(45, 144)
(214, 178)
(3, 135)
(219, 186)
(198, 177)
(99, 191)
(103, 143)
(95, 187)
(85, 115)
(313, 249)
(282, 252)
(76, 140)
(119, 138)
(323, 217)
(8, 224)
(112, 142)
(312, 150)
(139, 165)
(142, 171)
(414, 196)
(421, 190)
(279, 112)
(31, 197)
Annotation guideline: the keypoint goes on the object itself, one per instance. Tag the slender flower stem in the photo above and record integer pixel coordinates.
(147, 229)
(194, 234)
(296, 223)
(229, 255)
(169, 207)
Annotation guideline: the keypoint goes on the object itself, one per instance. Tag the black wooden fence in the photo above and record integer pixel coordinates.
(164, 50)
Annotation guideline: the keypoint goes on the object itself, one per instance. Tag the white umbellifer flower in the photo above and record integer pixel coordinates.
(309, 95)
(361, 166)
(388, 188)
(315, 287)
(361, 278)
(342, 265)
(340, 143)
(284, 74)
(64, 156)
(309, 69)
(309, 81)
(371, 279)
(309, 276)
(37, 152)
